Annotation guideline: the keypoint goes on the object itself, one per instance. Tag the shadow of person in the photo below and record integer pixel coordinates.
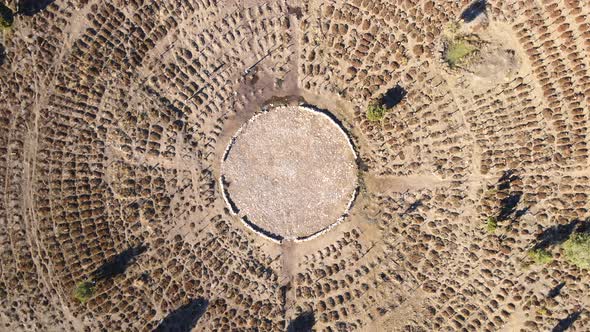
(474, 10)
(185, 318)
(413, 207)
(506, 179)
(303, 323)
(118, 264)
(32, 7)
(2, 54)
(567, 322)
(508, 206)
(394, 96)
(555, 291)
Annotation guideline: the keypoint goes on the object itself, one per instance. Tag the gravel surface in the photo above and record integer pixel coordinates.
(291, 171)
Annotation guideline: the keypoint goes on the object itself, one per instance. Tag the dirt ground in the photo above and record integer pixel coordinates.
(114, 120)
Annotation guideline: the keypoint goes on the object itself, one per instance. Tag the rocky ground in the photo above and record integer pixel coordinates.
(114, 117)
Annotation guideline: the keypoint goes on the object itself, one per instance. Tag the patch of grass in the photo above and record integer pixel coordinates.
(491, 191)
(542, 311)
(491, 225)
(540, 256)
(6, 17)
(84, 290)
(376, 111)
(457, 50)
(577, 249)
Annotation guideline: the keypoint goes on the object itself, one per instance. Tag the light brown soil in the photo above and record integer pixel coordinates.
(290, 171)
(115, 115)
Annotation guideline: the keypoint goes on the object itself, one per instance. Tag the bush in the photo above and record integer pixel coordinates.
(491, 224)
(376, 111)
(577, 250)
(6, 16)
(457, 50)
(540, 256)
(84, 290)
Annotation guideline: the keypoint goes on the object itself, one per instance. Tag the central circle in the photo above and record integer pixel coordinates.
(290, 173)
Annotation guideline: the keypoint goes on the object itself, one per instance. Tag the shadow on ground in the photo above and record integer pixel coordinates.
(119, 264)
(32, 7)
(2, 54)
(506, 179)
(555, 291)
(556, 235)
(185, 318)
(508, 205)
(413, 206)
(394, 96)
(303, 323)
(475, 9)
(567, 322)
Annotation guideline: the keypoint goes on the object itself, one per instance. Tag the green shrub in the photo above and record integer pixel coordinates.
(376, 111)
(491, 224)
(457, 50)
(540, 256)
(6, 16)
(84, 290)
(577, 250)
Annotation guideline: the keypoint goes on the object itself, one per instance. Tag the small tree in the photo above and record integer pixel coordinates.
(577, 249)
(84, 290)
(6, 16)
(376, 111)
(540, 256)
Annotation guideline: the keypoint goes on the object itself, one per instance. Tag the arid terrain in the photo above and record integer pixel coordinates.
(470, 121)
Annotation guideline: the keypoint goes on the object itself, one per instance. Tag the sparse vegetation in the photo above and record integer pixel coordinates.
(577, 249)
(540, 256)
(458, 46)
(84, 290)
(491, 225)
(376, 111)
(6, 17)
(542, 311)
(491, 191)
(379, 106)
(457, 50)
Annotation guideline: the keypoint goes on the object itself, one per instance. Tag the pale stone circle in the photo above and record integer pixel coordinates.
(290, 173)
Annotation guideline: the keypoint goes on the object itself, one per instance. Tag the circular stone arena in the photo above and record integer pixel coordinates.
(290, 173)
